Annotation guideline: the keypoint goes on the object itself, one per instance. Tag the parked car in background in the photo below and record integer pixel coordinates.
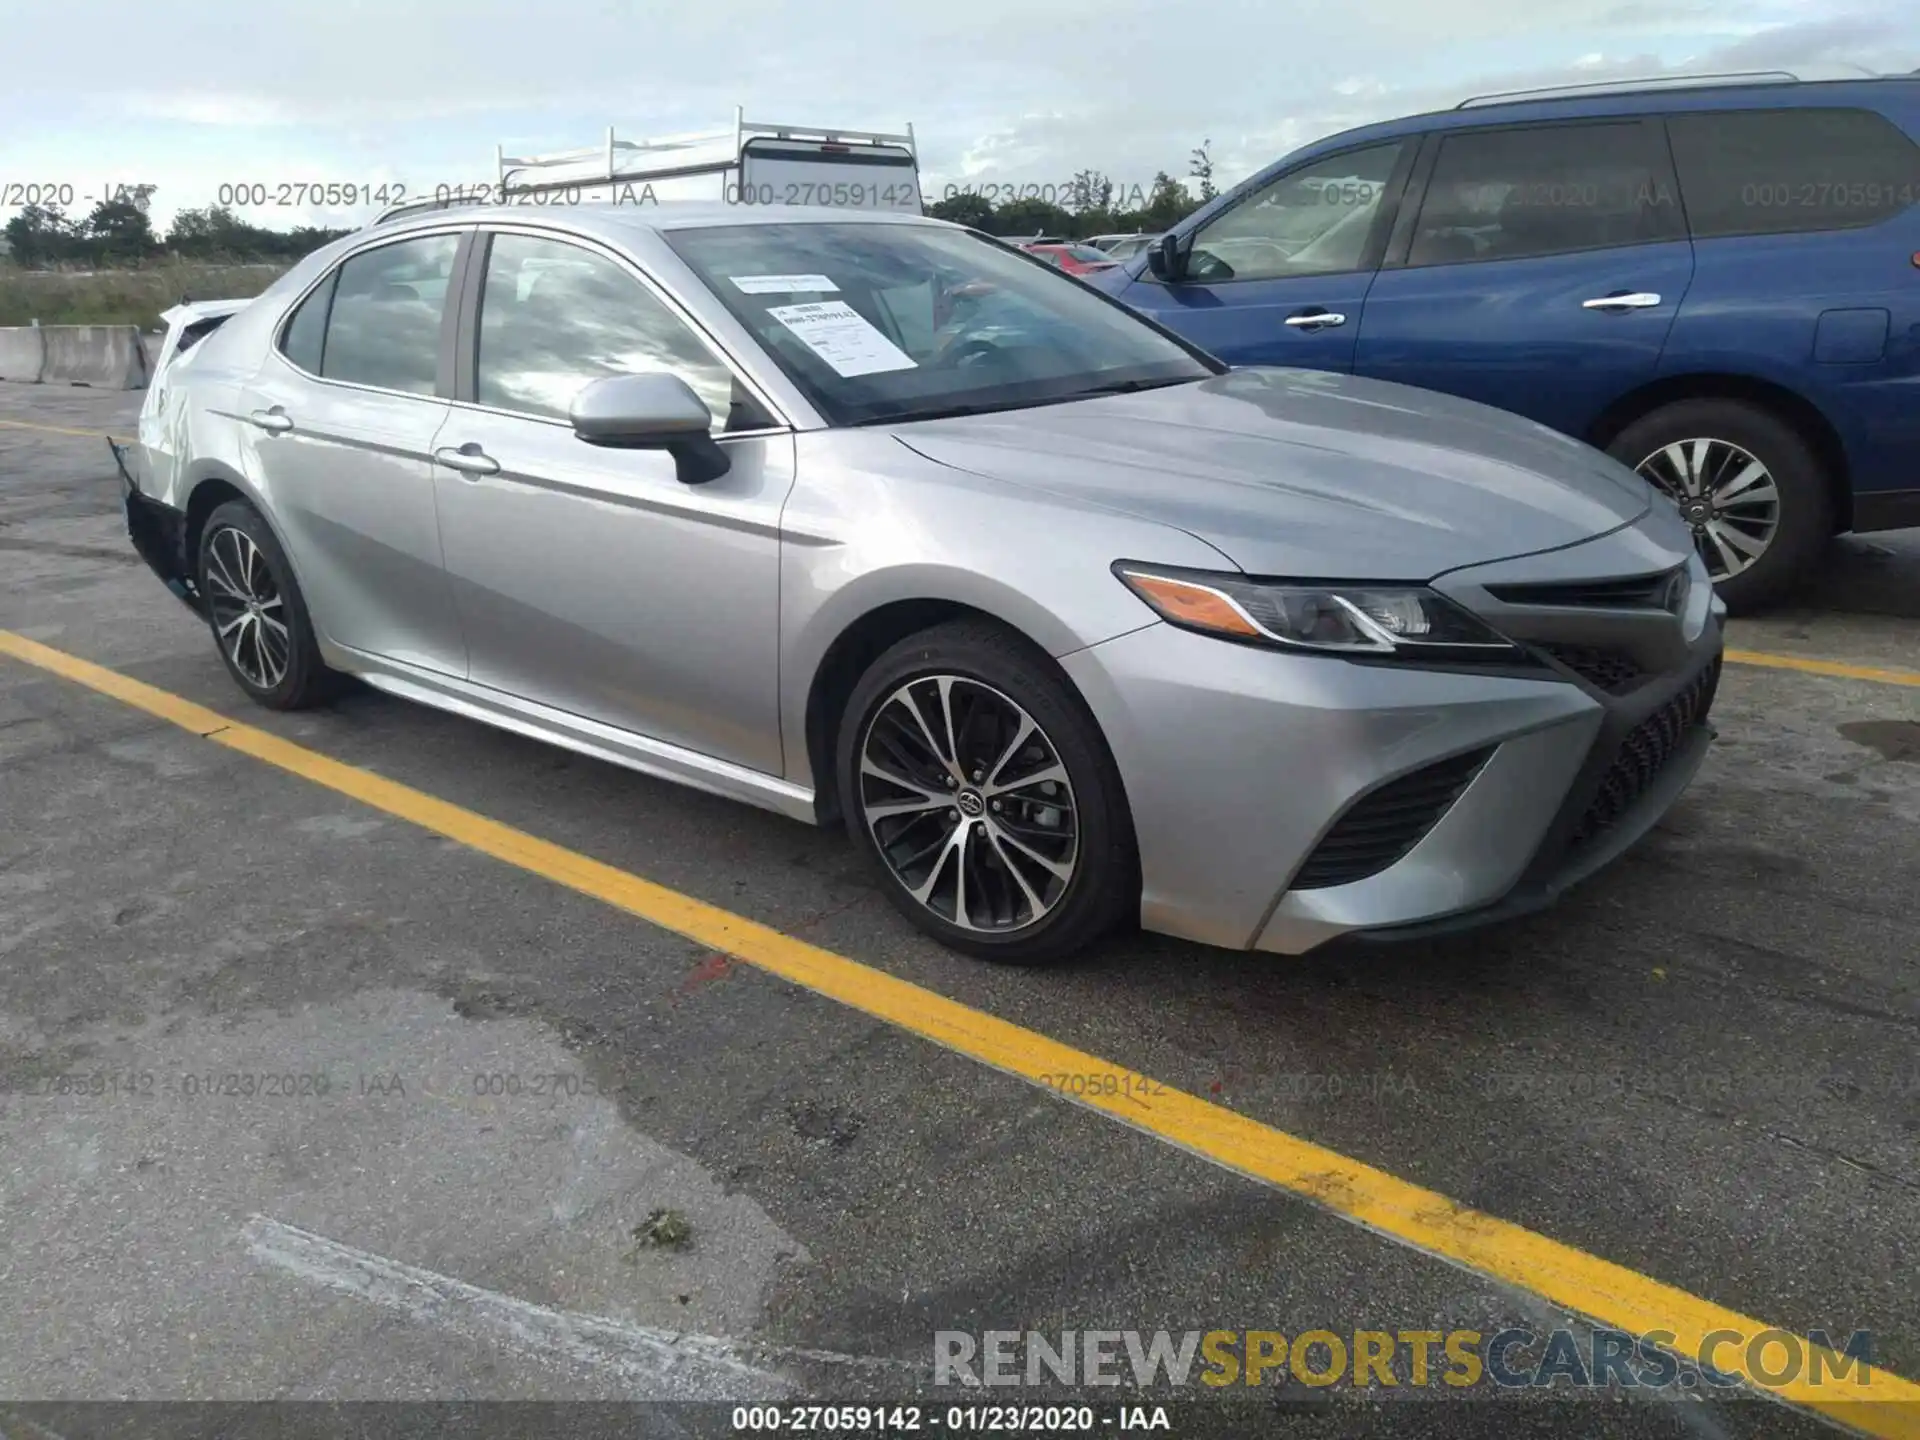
(1716, 279)
(864, 519)
(1075, 259)
(1125, 247)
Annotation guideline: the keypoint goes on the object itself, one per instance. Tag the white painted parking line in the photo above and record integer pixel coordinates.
(656, 1364)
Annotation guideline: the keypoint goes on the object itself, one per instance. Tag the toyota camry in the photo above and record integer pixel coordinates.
(873, 520)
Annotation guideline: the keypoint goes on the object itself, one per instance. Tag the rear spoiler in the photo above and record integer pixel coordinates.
(189, 311)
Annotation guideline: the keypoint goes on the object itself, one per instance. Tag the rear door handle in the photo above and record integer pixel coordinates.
(1319, 320)
(470, 460)
(276, 420)
(1639, 300)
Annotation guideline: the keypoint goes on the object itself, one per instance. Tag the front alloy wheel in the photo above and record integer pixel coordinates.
(969, 804)
(249, 617)
(1725, 493)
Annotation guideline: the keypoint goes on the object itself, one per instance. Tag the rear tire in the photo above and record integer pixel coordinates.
(257, 615)
(1702, 453)
(1003, 831)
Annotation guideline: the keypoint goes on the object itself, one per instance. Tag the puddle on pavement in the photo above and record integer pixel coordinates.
(1890, 739)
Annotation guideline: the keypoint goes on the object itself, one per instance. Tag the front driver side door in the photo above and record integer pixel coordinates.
(592, 580)
(1280, 278)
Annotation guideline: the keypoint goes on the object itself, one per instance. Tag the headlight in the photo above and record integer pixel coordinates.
(1375, 620)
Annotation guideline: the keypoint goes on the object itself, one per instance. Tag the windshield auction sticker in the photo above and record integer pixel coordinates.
(785, 284)
(842, 337)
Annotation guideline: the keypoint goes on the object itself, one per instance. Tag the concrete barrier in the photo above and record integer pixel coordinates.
(106, 357)
(23, 353)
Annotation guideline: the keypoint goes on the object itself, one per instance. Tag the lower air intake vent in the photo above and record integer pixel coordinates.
(1644, 754)
(1382, 826)
(1608, 670)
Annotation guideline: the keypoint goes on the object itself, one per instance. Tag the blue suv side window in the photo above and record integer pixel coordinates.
(1793, 171)
(1543, 190)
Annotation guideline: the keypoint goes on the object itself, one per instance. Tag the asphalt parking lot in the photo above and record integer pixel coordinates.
(1701, 1067)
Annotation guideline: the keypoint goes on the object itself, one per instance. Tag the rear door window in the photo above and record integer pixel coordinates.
(1791, 171)
(384, 326)
(1545, 190)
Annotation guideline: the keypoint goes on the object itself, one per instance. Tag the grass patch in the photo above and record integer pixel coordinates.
(123, 297)
(662, 1230)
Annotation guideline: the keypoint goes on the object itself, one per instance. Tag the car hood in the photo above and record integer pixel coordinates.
(1307, 473)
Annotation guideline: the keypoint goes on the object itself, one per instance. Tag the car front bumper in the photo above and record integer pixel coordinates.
(1238, 762)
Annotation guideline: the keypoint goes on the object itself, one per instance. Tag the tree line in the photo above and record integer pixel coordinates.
(1093, 205)
(119, 231)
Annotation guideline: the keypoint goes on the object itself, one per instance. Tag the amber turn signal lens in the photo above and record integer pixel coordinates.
(1189, 604)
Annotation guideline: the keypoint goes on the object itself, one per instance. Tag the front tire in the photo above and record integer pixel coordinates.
(1748, 482)
(980, 789)
(256, 612)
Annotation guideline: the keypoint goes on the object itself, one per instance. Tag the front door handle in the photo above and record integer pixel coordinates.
(470, 460)
(1317, 320)
(276, 421)
(1639, 300)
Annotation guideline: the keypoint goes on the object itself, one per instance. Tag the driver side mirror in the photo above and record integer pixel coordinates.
(651, 412)
(1168, 259)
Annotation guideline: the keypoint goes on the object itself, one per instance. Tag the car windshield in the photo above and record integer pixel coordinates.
(877, 322)
(1085, 252)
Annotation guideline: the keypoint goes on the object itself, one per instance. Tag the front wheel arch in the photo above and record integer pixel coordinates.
(988, 655)
(854, 650)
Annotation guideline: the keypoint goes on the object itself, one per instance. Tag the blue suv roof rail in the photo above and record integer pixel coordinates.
(1627, 87)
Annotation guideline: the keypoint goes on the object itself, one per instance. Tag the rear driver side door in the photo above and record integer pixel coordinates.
(340, 424)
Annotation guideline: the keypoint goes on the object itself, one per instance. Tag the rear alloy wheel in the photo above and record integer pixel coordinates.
(256, 613)
(980, 788)
(1749, 485)
(1726, 494)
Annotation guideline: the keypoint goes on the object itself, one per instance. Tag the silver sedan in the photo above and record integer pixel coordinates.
(872, 519)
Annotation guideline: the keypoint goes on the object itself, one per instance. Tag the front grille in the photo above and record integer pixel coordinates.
(1613, 671)
(1638, 592)
(1645, 753)
(1380, 827)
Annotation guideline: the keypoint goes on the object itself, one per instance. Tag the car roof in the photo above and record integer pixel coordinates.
(1653, 99)
(617, 220)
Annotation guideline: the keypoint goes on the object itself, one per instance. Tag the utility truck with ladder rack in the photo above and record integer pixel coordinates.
(750, 163)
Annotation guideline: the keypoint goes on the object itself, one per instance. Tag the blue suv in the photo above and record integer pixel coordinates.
(1717, 281)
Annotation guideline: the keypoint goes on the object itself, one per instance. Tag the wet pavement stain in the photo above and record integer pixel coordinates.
(1897, 740)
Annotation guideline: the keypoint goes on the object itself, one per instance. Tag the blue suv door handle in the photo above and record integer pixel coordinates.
(1639, 300)
(1319, 320)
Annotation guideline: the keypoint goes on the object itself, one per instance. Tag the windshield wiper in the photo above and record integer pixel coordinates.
(954, 412)
(1129, 387)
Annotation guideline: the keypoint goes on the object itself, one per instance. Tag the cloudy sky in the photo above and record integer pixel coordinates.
(192, 94)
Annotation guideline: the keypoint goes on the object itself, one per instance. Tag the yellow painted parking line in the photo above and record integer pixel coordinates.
(1806, 665)
(63, 430)
(1874, 1402)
